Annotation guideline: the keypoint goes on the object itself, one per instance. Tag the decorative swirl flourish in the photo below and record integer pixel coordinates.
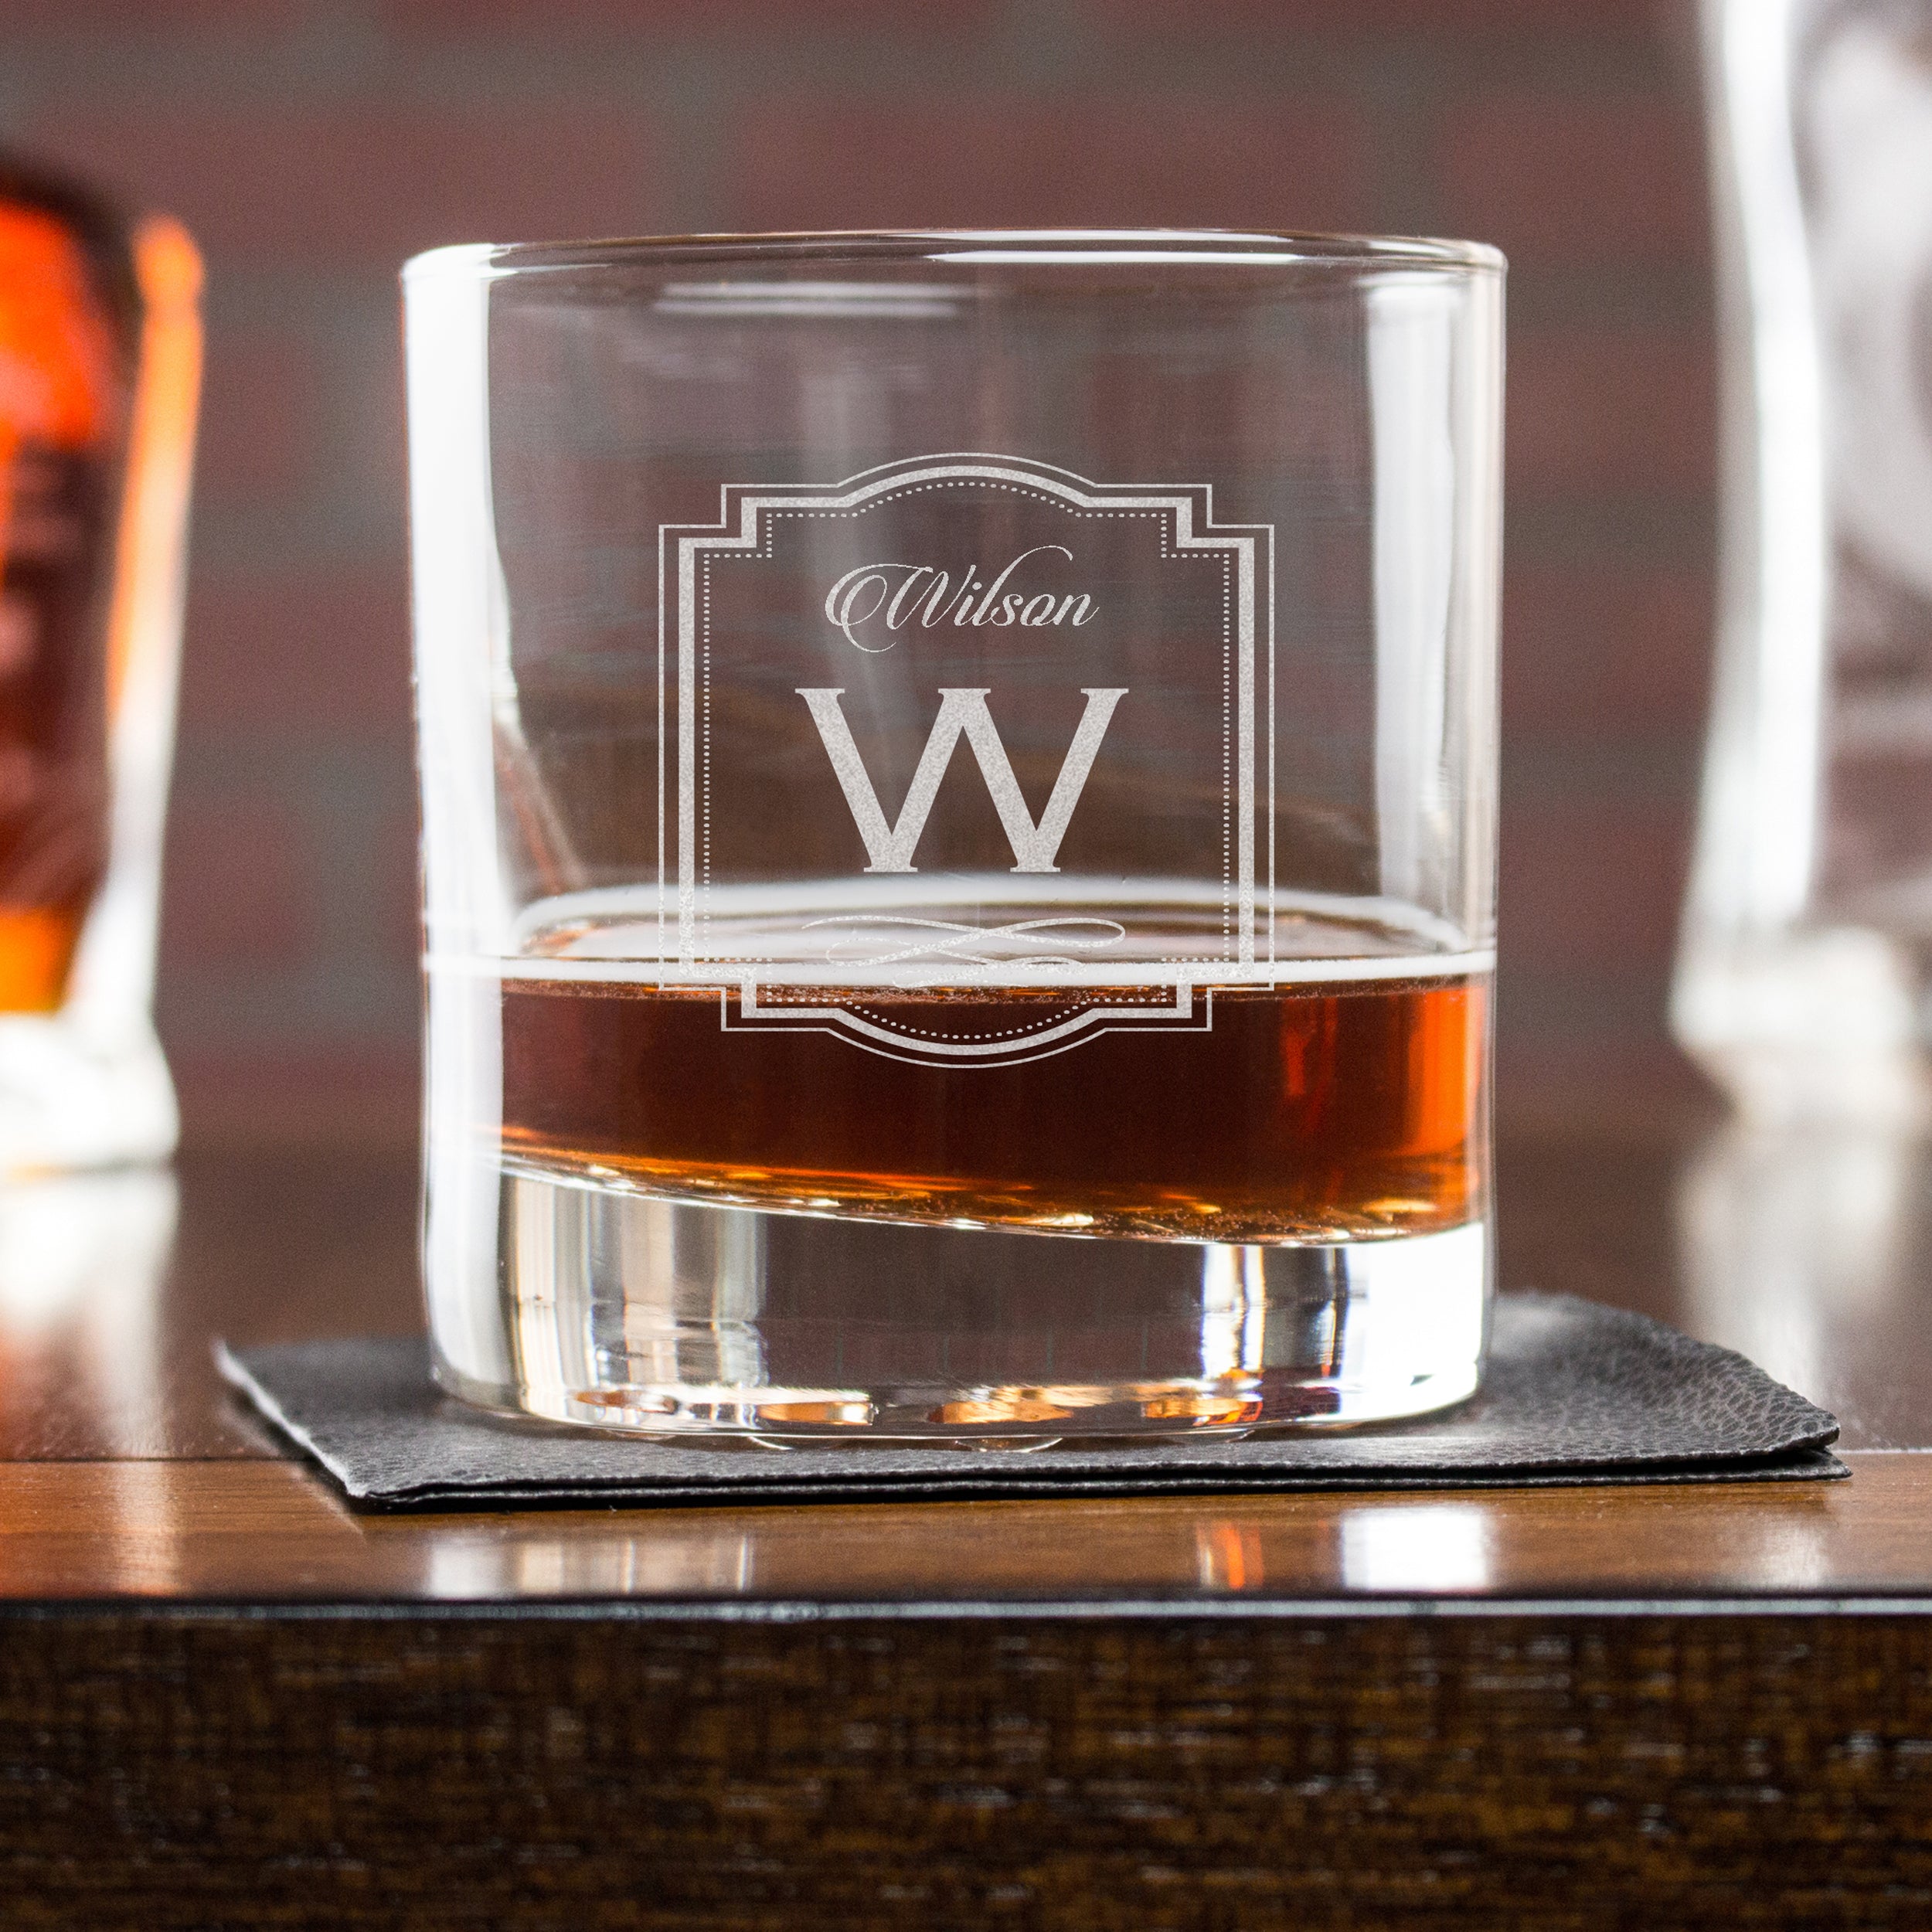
(962, 945)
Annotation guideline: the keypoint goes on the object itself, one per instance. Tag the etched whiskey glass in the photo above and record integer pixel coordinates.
(959, 779)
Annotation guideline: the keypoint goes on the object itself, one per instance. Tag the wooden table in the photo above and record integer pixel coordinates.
(227, 1699)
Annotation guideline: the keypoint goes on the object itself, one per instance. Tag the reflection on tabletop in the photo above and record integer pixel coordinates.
(1374, 1547)
(1693, 1537)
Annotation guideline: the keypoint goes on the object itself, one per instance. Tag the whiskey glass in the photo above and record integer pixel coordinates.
(1804, 981)
(100, 348)
(958, 781)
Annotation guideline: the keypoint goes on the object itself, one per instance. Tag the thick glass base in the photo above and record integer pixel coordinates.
(1831, 1025)
(73, 1096)
(631, 1311)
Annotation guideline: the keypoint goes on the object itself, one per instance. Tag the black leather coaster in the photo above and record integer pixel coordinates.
(1575, 1393)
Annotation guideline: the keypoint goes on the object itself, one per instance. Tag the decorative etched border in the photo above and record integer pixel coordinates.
(743, 526)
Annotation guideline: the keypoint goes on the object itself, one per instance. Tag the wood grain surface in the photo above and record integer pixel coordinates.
(1540, 1773)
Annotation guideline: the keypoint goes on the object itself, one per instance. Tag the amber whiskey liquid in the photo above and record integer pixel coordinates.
(69, 337)
(1333, 1112)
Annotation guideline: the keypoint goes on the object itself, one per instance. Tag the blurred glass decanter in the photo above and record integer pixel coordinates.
(99, 373)
(1804, 976)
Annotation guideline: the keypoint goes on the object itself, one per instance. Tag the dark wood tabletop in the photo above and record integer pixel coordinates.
(1704, 1703)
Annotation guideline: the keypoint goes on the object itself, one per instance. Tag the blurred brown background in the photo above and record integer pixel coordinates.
(312, 144)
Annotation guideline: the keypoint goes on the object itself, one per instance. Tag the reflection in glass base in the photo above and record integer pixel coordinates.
(69, 1099)
(1828, 1026)
(634, 1312)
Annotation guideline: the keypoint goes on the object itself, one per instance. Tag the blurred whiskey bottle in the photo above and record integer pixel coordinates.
(100, 374)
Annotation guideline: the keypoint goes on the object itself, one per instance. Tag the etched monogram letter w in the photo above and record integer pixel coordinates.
(889, 848)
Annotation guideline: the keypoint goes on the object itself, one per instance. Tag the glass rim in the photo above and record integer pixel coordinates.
(970, 248)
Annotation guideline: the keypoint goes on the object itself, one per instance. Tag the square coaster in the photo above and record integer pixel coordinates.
(1575, 1393)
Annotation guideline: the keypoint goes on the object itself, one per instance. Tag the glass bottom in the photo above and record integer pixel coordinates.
(70, 1098)
(667, 1317)
(1831, 1024)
